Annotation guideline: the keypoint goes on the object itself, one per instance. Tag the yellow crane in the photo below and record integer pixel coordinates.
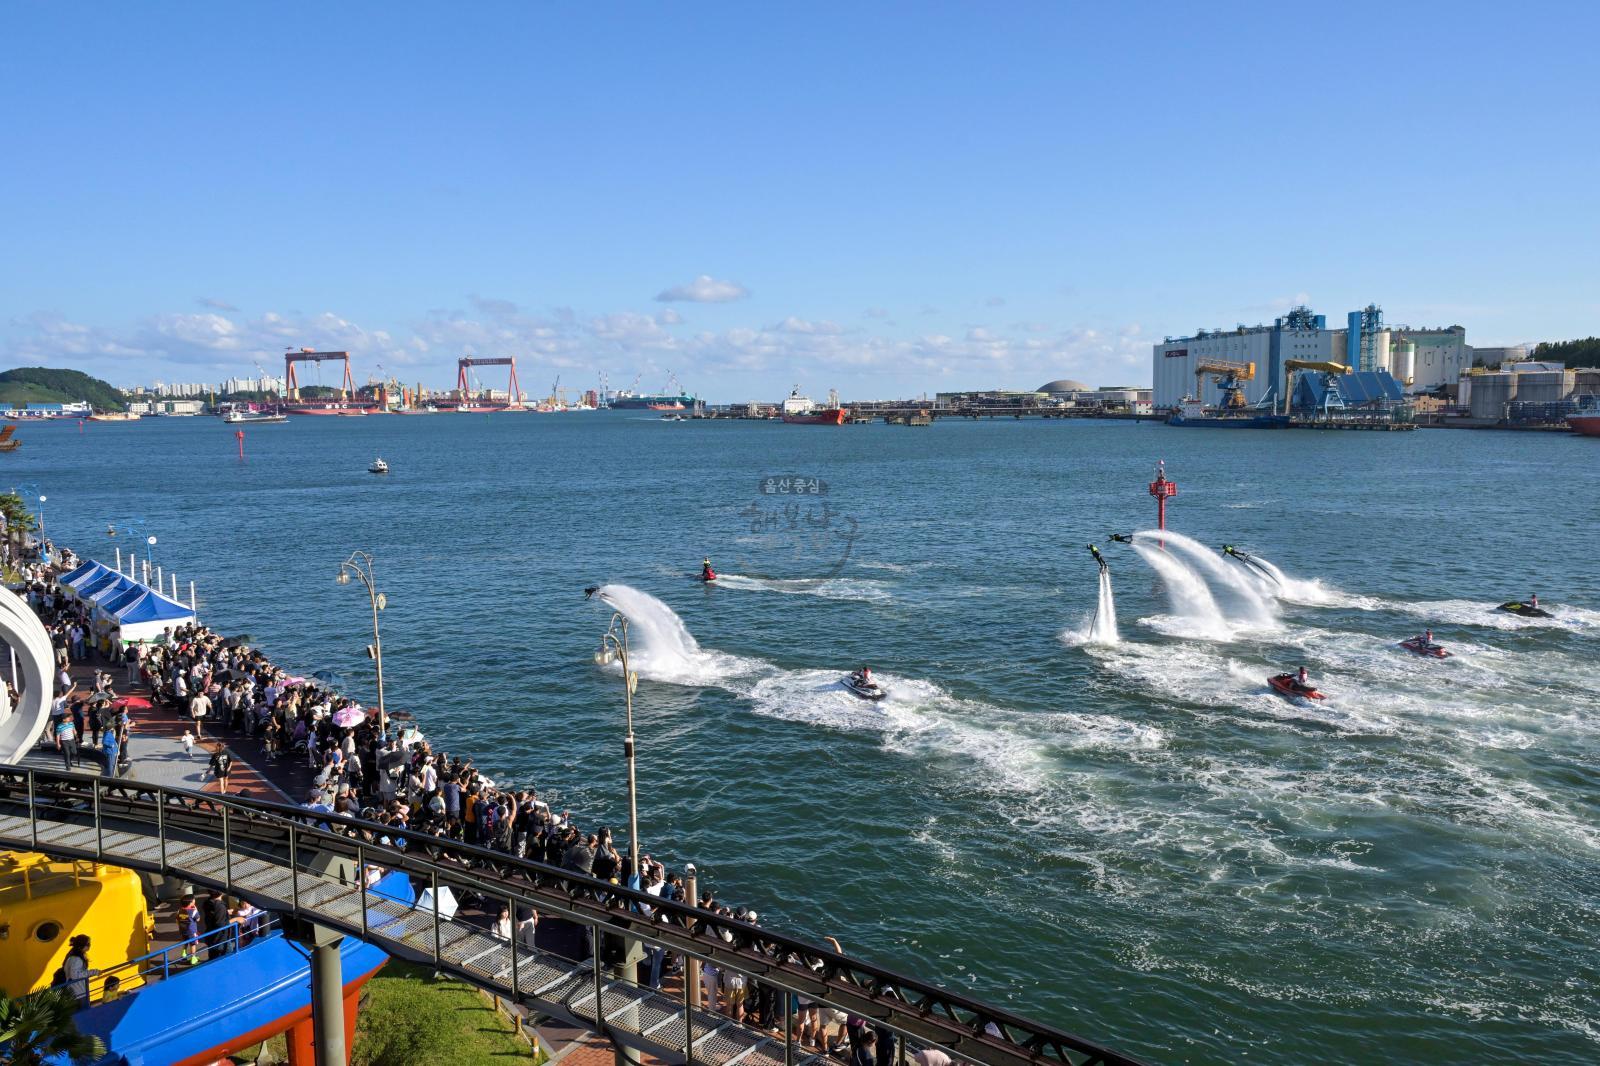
(1230, 378)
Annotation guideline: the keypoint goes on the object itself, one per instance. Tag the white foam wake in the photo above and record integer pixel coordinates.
(661, 647)
(829, 588)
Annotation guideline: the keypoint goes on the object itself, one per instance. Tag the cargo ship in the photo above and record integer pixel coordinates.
(638, 401)
(333, 407)
(1192, 413)
(628, 400)
(803, 411)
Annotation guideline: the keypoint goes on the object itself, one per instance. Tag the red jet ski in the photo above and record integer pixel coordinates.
(706, 574)
(1423, 647)
(1287, 686)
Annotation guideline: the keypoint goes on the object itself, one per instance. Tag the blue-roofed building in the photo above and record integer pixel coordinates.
(1372, 392)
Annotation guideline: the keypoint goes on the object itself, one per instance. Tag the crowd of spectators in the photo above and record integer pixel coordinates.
(386, 774)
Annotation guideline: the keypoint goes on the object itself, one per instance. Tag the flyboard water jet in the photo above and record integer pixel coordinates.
(1250, 561)
(1103, 626)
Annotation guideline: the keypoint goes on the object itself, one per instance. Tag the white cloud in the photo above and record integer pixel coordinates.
(492, 306)
(875, 312)
(208, 345)
(704, 289)
(215, 304)
(995, 301)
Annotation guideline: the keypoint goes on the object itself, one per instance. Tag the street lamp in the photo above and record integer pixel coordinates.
(360, 564)
(150, 542)
(41, 516)
(614, 647)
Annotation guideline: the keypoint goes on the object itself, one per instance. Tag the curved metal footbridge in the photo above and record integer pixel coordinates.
(321, 869)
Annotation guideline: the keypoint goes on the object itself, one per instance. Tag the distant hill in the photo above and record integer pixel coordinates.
(38, 384)
(1579, 353)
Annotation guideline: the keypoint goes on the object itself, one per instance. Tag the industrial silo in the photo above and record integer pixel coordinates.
(1543, 386)
(1381, 352)
(1491, 393)
(1403, 359)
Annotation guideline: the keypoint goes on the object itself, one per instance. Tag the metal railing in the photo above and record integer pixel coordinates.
(185, 955)
(320, 867)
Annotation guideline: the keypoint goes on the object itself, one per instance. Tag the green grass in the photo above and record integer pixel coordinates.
(410, 1018)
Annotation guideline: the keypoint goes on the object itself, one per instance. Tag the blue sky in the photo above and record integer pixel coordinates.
(884, 198)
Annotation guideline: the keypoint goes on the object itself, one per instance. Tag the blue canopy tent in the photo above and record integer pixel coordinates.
(86, 574)
(85, 568)
(110, 591)
(87, 589)
(150, 615)
(122, 599)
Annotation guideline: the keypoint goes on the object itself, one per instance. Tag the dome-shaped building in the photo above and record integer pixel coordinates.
(1063, 387)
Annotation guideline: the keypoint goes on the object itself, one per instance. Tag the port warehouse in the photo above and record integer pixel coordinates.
(1421, 359)
(1434, 366)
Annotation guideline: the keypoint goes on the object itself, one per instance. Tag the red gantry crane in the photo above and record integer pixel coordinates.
(291, 386)
(464, 386)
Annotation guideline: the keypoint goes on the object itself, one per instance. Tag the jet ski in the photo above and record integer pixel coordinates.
(867, 690)
(1423, 647)
(1523, 608)
(708, 578)
(1287, 686)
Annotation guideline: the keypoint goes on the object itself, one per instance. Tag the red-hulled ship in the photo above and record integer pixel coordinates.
(803, 411)
(1587, 424)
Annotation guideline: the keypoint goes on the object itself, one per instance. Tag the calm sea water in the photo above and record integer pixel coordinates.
(1134, 841)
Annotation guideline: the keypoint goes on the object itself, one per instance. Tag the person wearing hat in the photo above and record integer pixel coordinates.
(706, 573)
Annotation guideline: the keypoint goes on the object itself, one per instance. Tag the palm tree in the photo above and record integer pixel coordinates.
(38, 1027)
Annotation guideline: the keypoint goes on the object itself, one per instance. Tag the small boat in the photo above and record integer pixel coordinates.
(1425, 647)
(254, 418)
(1523, 608)
(378, 467)
(867, 690)
(1288, 686)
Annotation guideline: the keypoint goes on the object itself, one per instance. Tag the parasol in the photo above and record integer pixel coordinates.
(349, 717)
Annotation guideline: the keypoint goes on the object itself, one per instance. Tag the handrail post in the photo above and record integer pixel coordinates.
(688, 1018)
(599, 985)
(161, 826)
(788, 1026)
(435, 875)
(227, 851)
(294, 871)
(516, 987)
(99, 835)
(33, 813)
(361, 875)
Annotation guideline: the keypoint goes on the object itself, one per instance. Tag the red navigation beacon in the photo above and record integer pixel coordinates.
(1162, 490)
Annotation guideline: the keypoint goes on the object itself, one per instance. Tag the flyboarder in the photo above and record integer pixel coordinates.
(1098, 558)
(1126, 538)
